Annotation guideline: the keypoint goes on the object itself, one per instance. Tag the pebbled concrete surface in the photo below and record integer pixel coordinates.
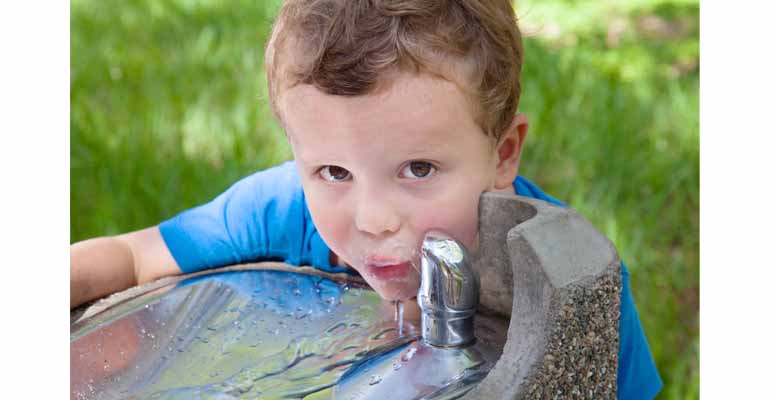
(558, 279)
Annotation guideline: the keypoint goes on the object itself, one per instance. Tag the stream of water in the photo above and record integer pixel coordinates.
(400, 317)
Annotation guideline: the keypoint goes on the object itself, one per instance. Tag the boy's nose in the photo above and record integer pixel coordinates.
(376, 215)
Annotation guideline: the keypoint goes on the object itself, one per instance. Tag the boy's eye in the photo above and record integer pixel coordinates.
(333, 173)
(419, 170)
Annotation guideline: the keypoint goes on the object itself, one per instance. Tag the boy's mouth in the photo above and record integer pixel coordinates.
(389, 270)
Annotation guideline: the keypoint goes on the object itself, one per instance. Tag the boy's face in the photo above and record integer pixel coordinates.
(380, 170)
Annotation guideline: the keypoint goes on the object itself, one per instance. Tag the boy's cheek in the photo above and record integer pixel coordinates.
(332, 228)
(459, 220)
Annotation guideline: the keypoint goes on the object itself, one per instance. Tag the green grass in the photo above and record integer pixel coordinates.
(169, 107)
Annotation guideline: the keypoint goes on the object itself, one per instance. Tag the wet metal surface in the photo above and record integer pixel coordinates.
(417, 371)
(252, 334)
(255, 334)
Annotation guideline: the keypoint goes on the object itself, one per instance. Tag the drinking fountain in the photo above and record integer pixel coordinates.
(448, 360)
(532, 314)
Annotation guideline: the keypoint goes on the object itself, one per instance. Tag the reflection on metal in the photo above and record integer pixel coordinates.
(449, 292)
(263, 334)
(418, 371)
(254, 334)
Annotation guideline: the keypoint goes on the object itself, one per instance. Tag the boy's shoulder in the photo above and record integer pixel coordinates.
(259, 217)
(524, 187)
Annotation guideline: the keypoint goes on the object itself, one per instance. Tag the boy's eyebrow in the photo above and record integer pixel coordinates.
(409, 152)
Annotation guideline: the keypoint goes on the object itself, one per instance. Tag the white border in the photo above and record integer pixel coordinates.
(735, 77)
(34, 160)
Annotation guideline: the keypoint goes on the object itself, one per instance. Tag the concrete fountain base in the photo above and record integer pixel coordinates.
(559, 280)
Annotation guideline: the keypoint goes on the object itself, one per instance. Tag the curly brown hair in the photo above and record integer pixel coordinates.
(347, 48)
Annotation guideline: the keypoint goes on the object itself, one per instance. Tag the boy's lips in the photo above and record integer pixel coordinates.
(389, 270)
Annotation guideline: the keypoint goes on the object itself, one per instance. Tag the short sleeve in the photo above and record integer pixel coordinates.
(637, 375)
(262, 217)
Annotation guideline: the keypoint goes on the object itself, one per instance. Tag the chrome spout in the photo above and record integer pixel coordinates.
(449, 292)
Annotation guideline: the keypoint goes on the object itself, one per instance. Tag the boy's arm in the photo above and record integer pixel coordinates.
(107, 265)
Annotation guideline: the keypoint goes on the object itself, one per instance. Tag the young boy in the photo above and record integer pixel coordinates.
(399, 115)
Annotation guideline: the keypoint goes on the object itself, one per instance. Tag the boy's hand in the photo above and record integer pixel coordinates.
(106, 265)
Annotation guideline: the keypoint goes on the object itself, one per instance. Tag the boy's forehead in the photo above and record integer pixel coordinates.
(405, 102)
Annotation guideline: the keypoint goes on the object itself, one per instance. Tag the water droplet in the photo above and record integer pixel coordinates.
(397, 365)
(375, 379)
(409, 354)
(297, 292)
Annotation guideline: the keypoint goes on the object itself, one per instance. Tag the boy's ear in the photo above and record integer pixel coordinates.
(508, 152)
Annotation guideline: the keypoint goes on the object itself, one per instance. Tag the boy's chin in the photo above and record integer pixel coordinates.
(395, 290)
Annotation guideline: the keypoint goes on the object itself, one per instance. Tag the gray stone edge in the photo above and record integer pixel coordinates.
(525, 346)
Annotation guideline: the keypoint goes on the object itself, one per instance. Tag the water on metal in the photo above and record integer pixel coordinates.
(417, 371)
(250, 334)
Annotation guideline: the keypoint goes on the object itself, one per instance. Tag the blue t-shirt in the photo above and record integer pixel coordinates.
(264, 217)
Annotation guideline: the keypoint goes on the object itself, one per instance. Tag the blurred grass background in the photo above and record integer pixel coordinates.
(169, 107)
